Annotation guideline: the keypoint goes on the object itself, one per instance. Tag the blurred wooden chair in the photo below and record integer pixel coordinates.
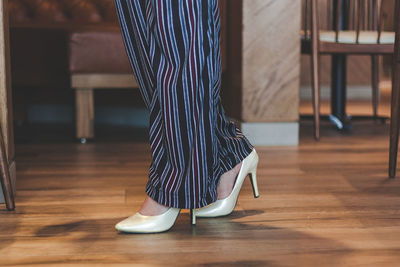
(7, 157)
(395, 103)
(365, 36)
(5, 179)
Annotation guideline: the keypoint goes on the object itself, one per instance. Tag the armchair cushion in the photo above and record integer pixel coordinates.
(86, 55)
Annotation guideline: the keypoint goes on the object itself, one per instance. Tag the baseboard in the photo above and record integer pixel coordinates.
(271, 133)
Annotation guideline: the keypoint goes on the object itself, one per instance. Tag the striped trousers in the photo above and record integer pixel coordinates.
(174, 50)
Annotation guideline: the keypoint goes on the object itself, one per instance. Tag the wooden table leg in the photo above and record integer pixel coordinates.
(84, 101)
(5, 176)
(395, 103)
(7, 153)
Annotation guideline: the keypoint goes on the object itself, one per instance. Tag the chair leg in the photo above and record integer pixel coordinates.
(5, 176)
(315, 65)
(375, 84)
(84, 103)
(394, 120)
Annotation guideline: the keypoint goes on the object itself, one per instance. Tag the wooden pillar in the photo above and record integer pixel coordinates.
(6, 116)
(263, 69)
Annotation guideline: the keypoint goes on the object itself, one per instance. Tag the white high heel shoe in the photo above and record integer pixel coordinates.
(225, 206)
(139, 223)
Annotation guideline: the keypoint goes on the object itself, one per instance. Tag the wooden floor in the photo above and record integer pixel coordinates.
(326, 203)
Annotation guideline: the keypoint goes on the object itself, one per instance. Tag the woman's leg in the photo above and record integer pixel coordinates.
(174, 49)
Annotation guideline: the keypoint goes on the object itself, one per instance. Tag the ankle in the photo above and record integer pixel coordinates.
(152, 208)
(227, 182)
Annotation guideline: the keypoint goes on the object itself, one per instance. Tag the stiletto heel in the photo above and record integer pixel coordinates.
(193, 216)
(253, 180)
(225, 206)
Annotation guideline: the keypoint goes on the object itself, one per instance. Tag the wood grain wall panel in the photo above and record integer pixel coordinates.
(232, 79)
(271, 60)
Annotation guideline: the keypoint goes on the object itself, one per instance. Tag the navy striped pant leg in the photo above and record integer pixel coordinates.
(233, 146)
(132, 19)
(173, 46)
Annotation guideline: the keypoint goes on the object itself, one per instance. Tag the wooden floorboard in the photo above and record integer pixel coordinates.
(326, 203)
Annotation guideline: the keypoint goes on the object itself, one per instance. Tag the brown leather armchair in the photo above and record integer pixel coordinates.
(60, 44)
(39, 31)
